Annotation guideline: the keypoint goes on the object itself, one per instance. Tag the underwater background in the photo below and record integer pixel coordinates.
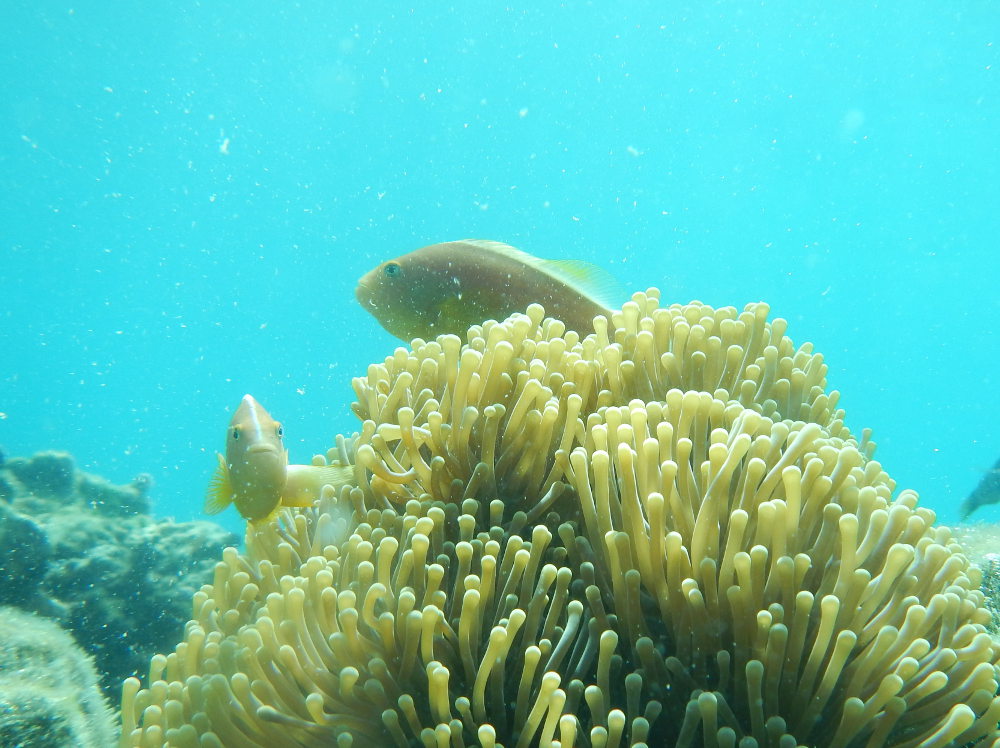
(190, 190)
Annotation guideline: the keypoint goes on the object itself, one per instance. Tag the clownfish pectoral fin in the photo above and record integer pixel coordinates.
(220, 490)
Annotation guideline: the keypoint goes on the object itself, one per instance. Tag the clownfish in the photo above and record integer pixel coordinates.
(449, 287)
(255, 475)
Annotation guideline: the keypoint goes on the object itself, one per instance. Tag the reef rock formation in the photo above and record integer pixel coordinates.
(49, 693)
(86, 552)
(662, 534)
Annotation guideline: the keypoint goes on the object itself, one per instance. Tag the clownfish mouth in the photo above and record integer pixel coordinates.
(262, 447)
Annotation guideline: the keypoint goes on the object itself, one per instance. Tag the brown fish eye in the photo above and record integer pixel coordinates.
(392, 269)
(236, 434)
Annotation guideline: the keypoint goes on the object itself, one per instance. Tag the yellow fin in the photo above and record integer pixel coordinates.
(220, 490)
(261, 521)
(336, 474)
(303, 483)
(587, 278)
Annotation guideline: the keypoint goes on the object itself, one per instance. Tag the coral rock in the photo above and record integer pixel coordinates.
(94, 559)
(49, 694)
(24, 558)
(45, 474)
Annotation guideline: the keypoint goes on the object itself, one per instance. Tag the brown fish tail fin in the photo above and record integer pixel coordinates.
(220, 490)
(965, 509)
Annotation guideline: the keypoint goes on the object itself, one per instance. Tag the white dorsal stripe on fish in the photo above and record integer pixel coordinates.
(257, 427)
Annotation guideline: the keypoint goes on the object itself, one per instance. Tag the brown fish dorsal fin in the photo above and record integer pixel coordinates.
(585, 278)
(591, 280)
(220, 490)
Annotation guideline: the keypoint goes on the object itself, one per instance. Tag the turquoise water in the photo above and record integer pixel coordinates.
(189, 191)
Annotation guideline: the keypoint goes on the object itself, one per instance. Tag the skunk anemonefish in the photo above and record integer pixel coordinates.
(255, 474)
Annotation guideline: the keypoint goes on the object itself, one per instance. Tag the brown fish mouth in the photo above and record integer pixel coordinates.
(365, 295)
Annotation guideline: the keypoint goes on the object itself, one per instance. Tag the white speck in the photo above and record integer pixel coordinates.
(633, 151)
(224, 147)
(523, 112)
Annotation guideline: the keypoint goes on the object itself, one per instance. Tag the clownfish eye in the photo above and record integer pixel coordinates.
(392, 269)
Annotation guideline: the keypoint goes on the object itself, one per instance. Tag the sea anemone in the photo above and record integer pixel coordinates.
(660, 534)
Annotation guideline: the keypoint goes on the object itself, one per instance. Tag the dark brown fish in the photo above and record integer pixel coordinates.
(449, 287)
(987, 492)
